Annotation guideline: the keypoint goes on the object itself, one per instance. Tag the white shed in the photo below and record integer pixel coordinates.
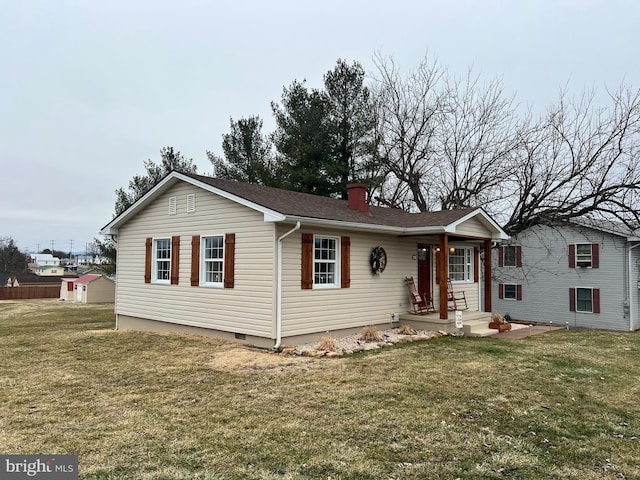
(67, 289)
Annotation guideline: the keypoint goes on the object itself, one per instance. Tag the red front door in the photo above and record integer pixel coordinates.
(424, 270)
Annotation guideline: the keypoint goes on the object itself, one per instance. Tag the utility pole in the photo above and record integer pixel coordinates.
(70, 249)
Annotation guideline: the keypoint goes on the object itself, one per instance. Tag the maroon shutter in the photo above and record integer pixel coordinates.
(307, 261)
(175, 259)
(345, 262)
(518, 292)
(500, 290)
(148, 253)
(501, 256)
(572, 256)
(596, 300)
(518, 256)
(229, 260)
(195, 260)
(572, 299)
(476, 264)
(595, 255)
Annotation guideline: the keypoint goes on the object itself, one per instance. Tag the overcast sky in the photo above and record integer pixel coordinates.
(89, 90)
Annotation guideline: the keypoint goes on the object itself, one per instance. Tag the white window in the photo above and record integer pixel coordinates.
(162, 260)
(510, 291)
(584, 255)
(584, 300)
(325, 262)
(461, 264)
(509, 256)
(212, 255)
(173, 205)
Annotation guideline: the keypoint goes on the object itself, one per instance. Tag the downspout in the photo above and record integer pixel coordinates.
(114, 239)
(631, 307)
(279, 288)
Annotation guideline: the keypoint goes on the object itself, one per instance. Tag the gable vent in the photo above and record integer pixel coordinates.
(173, 205)
(191, 203)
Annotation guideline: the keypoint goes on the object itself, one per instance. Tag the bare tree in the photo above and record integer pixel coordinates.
(407, 111)
(477, 140)
(445, 143)
(580, 160)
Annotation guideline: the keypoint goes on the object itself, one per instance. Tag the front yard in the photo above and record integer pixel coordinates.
(148, 406)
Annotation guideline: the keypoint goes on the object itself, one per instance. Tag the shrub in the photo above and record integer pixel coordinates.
(370, 334)
(328, 344)
(407, 330)
(497, 318)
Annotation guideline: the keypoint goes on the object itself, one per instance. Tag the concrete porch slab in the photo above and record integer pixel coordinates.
(472, 322)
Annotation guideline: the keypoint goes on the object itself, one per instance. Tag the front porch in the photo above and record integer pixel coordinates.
(474, 324)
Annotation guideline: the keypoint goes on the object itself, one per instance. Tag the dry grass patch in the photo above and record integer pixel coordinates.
(148, 406)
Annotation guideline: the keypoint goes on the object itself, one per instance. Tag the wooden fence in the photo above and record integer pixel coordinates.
(29, 291)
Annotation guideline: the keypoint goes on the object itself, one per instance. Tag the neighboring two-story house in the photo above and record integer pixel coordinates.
(580, 274)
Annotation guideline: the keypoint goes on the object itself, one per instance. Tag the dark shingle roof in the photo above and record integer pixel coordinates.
(299, 204)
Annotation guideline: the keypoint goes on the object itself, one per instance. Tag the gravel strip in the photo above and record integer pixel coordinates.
(348, 344)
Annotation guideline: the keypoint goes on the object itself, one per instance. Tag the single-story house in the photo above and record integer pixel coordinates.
(272, 267)
(583, 273)
(94, 288)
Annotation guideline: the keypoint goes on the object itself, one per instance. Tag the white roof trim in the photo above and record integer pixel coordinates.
(112, 227)
(498, 233)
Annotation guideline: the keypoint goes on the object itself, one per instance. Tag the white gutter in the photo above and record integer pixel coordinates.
(631, 307)
(279, 288)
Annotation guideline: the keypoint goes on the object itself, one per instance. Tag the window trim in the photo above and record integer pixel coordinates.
(337, 260)
(502, 292)
(589, 261)
(595, 300)
(515, 291)
(155, 260)
(203, 261)
(590, 289)
(504, 256)
(595, 256)
(468, 265)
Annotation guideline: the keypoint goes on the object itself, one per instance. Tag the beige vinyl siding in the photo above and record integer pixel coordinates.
(472, 228)
(101, 290)
(369, 300)
(247, 308)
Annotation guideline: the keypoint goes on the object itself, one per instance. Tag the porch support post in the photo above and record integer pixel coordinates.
(443, 275)
(487, 275)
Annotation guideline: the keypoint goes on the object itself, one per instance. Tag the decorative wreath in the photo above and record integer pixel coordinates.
(378, 260)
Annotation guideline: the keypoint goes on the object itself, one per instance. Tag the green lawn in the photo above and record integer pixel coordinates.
(148, 406)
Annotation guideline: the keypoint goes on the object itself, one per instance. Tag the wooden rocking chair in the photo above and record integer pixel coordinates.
(421, 303)
(456, 299)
